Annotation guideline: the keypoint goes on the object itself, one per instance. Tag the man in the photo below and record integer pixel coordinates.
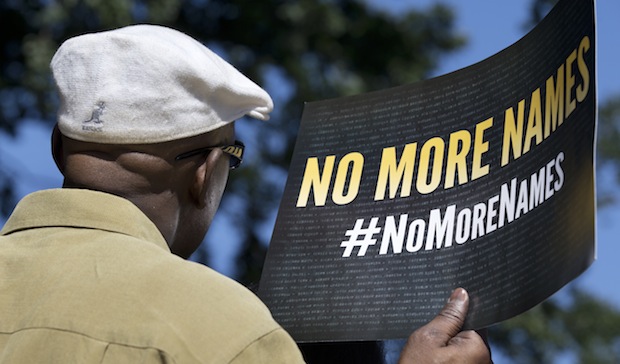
(145, 141)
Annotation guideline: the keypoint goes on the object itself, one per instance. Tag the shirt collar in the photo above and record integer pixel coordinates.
(82, 208)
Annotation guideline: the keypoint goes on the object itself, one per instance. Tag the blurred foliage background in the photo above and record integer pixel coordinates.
(299, 50)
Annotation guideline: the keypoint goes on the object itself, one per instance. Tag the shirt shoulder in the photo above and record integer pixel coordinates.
(202, 312)
(104, 276)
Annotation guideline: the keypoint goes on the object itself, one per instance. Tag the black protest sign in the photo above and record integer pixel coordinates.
(482, 179)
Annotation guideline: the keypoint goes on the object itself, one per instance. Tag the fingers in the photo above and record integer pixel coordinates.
(467, 347)
(483, 333)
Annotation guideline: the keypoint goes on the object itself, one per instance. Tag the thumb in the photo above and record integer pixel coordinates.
(442, 341)
(448, 323)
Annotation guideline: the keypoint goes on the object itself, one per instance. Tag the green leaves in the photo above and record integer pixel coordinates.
(582, 327)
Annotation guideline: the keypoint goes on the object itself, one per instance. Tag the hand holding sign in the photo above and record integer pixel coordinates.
(442, 341)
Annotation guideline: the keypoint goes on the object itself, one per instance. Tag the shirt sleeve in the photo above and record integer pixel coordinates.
(273, 348)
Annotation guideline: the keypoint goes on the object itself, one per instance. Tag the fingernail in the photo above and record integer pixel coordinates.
(459, 295)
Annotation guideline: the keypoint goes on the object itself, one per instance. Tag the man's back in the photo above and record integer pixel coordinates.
(88, 278)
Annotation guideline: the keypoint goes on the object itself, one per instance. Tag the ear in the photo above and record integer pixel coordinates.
(203, 178)
(57, 150)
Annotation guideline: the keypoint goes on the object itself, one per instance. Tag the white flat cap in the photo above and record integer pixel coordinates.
(146, 84)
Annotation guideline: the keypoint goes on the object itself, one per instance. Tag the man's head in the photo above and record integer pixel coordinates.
(146, 113)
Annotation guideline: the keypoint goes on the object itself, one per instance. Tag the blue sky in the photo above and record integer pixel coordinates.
(491, 26)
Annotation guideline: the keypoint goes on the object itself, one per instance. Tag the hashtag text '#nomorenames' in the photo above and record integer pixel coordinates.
(516, 198)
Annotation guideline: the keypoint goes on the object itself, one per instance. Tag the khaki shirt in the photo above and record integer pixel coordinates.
(86, 277)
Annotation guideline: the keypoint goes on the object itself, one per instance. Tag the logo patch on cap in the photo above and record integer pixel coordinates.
(95, 123)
